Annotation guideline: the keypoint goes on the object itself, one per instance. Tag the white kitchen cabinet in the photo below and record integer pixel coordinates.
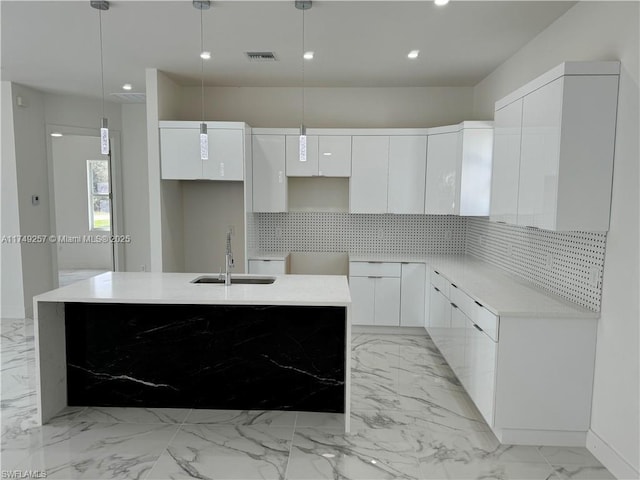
(269, 181)
(412, 291)
(567, 147)
(458, 176)
(507, 135)
(479, 374)
(267, 267)
(442, 173)
(327, 156)
(439, 317)
(456, 354)
(362, 300)
(407, 165)
(375, 292)
(180, 151)
(369, 174)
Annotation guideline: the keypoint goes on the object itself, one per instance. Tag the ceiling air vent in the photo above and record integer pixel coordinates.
(129, 97)
(261, 56)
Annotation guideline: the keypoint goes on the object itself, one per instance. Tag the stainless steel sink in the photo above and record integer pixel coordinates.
(235, 279)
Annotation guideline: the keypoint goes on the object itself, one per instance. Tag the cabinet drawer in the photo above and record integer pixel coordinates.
(374, 269)
(440, 283)
(267, 267)
(487, 321)
(463, 301)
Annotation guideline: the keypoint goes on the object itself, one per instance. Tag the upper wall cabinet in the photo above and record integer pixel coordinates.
(269, 180)
(388, 174)
(565, 162)
(458, 178)
(327, 156)
(180, 151)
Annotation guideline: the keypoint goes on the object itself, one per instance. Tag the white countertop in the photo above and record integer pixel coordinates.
(501, 293)
(175, 288)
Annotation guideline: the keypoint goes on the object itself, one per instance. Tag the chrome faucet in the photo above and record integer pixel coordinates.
(228, 261)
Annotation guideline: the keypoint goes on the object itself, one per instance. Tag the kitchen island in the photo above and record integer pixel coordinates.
(159, 340)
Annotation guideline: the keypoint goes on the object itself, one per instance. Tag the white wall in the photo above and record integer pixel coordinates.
(331, 107)
(601, 31)
(11, 291)
(135, 185)
(69, 160)
(31, 162)
(209, 208)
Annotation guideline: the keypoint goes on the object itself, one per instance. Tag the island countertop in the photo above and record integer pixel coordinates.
(176, 288)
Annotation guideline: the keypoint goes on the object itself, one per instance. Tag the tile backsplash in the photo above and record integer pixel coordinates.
(569, 264)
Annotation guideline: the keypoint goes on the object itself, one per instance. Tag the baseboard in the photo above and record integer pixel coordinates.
(610, 458)
(388, 330)
(557, 438)
(11, 312)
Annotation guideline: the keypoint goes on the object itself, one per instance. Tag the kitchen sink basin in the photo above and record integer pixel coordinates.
(235, 279)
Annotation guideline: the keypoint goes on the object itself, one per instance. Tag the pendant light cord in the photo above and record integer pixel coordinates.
(101, 61)
(202, 63)
(302, 122)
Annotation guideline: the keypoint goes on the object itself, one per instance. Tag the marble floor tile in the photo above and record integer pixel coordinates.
(318, 454)
(241, 417)
(229, 452)
(581, 472)
(324, 421)
(569, 456)
(499, 471)
(99, 450)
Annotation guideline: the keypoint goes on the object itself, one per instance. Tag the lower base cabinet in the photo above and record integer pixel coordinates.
(530, 376)
(375, 300)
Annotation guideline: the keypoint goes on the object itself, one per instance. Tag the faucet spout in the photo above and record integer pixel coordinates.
(229, 263)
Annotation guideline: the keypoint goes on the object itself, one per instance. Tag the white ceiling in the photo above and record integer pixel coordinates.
(54, 45)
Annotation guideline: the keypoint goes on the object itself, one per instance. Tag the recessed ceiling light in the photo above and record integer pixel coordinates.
(205, 55)
(127, 86)
(56, 134)
(440, 2)
(308, 55)
(328, 455)
(413, 54)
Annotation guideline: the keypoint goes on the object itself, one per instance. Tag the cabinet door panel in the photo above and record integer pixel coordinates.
(296, 168)
(267, 267)
(475, 173)
(480, 360)
(442, 173)
(506, 163)
(407, 165)
(362, 300)
(439, 317)
(387, 301)
(269, 181)
(180, 153)
(412, 294)
(540, 156)
(456, 338)
(226, 155)
(334, 156)
(369, 174)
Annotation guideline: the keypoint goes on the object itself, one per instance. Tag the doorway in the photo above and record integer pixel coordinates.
(84, 217)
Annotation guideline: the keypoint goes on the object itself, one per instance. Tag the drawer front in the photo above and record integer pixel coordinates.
(374, 269)
(267, 267)
(440, 283)
(463, 301)
(487, 321)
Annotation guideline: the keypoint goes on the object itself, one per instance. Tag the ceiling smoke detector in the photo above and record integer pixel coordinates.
(261, 56)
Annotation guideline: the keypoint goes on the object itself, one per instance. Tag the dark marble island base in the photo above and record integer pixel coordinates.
(247, 357)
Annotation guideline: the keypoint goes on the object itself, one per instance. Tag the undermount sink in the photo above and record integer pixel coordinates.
(238, 280)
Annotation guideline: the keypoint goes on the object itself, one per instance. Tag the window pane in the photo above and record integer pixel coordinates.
(99, 204)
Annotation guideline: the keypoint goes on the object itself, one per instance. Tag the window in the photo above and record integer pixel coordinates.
(98, 188)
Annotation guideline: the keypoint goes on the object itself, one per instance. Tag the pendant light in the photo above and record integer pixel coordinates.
(101, 5)
(204, 136)
(302, 144)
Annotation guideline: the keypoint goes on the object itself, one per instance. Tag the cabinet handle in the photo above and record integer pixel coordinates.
(266, 260)
(478, 328)
(500, 221)
(436, 272)
(454, 305)
(374, 262)
(436, 289)
(373, 277)
(478, 303)
(454, 285)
